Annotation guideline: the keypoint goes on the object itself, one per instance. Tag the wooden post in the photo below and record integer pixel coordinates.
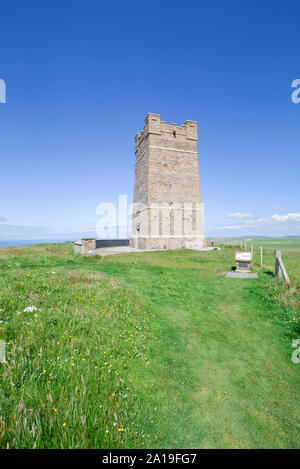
(278, 272)
(279, 267)
(261, 256)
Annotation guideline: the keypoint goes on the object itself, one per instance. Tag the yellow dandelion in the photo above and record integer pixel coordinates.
(64, 424)
(121, 429)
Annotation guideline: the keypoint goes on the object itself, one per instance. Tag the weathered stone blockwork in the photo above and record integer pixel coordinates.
(167, 210)
(88, 246)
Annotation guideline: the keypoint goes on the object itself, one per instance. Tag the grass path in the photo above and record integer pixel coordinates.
(225, 375)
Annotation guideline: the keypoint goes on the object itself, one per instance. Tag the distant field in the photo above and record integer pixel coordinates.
(278, 243)
(271, 243)
(153, 349)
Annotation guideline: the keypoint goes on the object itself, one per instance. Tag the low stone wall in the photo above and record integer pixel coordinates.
(105, 243)
(77, 247)
(88, 246)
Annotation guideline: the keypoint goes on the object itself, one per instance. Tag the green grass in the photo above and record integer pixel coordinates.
(278, 243)
(268, 243)
(153, 349)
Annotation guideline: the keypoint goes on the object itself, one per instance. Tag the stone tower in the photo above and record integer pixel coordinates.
(167, 211)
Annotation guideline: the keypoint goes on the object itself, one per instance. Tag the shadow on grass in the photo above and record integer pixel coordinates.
(269, 272)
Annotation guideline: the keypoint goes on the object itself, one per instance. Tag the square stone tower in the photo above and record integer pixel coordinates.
(167, 211)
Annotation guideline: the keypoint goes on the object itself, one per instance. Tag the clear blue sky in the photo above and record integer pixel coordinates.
(81, 77)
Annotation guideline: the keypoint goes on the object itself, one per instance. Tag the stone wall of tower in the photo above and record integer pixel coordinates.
(166, 178)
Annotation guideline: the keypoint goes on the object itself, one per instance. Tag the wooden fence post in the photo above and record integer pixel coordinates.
(261, 257)
(278, 272)
(279, 267)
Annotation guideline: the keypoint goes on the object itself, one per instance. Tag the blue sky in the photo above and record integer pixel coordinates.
(81, 77)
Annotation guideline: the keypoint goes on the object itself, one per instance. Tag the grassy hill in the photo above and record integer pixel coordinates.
(153, 349)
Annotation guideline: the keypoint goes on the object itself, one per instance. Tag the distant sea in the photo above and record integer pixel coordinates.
(26, 242)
